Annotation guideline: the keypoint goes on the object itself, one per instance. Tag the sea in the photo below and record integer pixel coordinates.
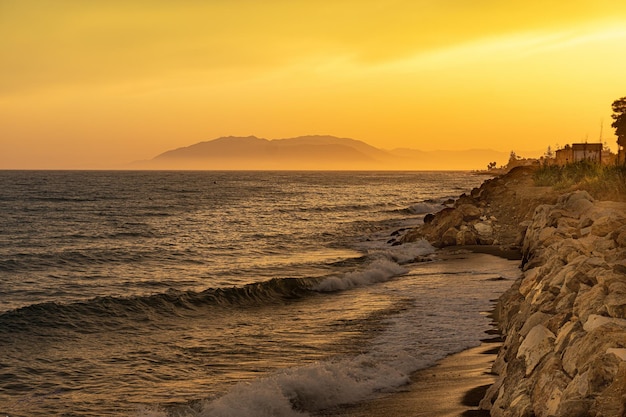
(200, 293)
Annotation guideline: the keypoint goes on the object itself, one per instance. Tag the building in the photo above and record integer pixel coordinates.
(579, 152)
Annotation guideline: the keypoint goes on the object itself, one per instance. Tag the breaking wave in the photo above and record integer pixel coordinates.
(111, 312)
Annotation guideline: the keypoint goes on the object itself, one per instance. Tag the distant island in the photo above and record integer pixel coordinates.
(314, 152)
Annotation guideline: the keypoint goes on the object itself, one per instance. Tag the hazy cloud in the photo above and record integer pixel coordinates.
(76, 42)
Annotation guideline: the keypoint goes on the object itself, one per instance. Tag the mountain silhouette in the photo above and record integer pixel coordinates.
(315, 152)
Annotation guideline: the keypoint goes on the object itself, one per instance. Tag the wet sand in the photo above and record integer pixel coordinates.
(452, 388)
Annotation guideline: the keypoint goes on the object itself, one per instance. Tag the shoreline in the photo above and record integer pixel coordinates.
(453, 387)
(563, 321)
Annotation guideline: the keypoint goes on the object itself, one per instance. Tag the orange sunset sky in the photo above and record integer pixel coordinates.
(98, 84)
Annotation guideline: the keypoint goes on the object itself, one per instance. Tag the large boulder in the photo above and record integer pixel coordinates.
(537, 344)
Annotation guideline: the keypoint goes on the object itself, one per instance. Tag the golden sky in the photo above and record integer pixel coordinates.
(97, 84)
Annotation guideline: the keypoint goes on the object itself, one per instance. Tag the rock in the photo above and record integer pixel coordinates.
(466, 237)
(469, 212)
(620, 353)
(513, 400)
(590, 301)
(607, 223)
(592, 343)
(620, 238)
(573, 286)
(594, 321)
(484, 228)
(574, 278)
(531, 281)
(615, 301)
(449, 237)
(603, 245)
(573, 407)
(447, 218)
(538, 343)
(548, 390)
(577, 202)
(521, 406)
(611, 401)
(532, 321)
(548, 236)
(565, 302)
(566, 334)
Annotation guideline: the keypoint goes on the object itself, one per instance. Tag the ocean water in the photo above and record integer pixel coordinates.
(227, 293)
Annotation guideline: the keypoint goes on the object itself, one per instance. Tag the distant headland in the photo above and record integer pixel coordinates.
(315, 152)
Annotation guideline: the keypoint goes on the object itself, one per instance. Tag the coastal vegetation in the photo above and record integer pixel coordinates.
(601, 181)
(619, 123)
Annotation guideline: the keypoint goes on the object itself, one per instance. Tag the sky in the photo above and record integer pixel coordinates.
(97, 84)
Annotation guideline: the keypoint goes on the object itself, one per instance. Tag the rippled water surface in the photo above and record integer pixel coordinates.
(225, 293)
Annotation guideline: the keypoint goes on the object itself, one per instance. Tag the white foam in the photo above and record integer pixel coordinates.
(296, 392)
(408, 252)
(377, 271)
(425, 208)
(387, 264)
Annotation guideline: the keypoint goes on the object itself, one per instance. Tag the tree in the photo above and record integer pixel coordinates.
(619, 123)
(549, 153)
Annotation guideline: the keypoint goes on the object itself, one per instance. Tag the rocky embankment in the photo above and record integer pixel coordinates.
(564, 320)
(496, 213)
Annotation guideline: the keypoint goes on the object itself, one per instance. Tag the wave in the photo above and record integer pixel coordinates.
(296, 392)
(310, 389)
(379, 271)
(334, 208)
(387, 264)
(423, 207)
(411, 340)
(113, 312)
(109, 312)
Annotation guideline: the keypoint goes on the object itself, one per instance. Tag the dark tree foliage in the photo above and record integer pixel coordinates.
(619, 116)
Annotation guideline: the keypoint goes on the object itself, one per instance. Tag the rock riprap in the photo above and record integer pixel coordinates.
(496, 213)
(565, 320)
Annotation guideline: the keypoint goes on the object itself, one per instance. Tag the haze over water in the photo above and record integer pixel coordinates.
(226, 293)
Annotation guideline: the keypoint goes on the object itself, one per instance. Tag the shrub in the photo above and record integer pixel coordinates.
(601, 181)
